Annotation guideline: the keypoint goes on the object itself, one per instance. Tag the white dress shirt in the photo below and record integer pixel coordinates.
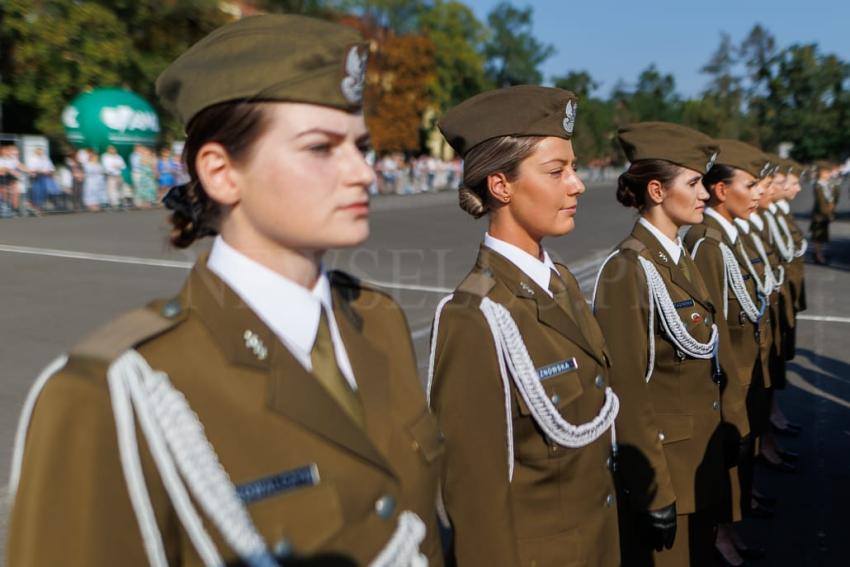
(772, 208)
(743, 225)
(784, 205)
(674, 249)
(728, 227)
(539, 272)
(291, 311)
(757, 220)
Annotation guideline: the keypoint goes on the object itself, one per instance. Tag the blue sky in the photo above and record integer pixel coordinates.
(616, 40)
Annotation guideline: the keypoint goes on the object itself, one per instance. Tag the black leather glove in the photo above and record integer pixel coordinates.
(745, 449)
(661, 527)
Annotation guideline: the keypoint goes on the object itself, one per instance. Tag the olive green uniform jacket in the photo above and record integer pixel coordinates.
(559, 508)
(823, 210)
(668, 430)
(263, 414)
(740, 354)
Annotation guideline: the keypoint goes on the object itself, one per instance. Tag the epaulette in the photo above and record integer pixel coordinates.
(129, 330)
(713, 234)
(633, 244)
(477, 283)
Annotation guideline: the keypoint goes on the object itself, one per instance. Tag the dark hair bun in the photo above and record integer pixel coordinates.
(471, 202)
(626, 194)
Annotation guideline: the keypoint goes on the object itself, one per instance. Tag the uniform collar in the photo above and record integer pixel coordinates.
(674, 249)
(290, 310)
(772, 208)
(784, 205)
(743, 225)
(757, 221)
(728, 227)
(540, 272)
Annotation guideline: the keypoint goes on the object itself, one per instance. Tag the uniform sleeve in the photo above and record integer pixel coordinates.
(72, 507)
(621, 308)
(468, 398)
(733, 397)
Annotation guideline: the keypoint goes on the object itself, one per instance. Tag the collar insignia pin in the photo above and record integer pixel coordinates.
(255, 344)
(662, 255)
(526, 288)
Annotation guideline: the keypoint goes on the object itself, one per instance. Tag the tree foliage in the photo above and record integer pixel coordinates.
(513, 52)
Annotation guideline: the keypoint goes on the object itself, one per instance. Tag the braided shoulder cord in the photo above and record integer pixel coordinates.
(786, 249)
(739, 288)
(804, 244)
(774, 282)
(672, 323)
(503, 374)
(186, 459)
(544, 412)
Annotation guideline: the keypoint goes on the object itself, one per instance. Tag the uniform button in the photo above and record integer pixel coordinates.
(171, 309)
(415, 445)
(609, 462)
(609, 500)
(661, 436)
(556, 399)
(680, 355)
(600, 382)
(385, 506)
(715, 405)
(282, 548)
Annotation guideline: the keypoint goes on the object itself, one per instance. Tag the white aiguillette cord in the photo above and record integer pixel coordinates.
(515, 362)
(185, 459)
(672, 323)
(786, 249)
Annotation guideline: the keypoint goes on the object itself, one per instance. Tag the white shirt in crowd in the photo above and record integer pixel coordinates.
(113, 164)
(40, 164)
(539, 271)
(674, 249)
(291, 311)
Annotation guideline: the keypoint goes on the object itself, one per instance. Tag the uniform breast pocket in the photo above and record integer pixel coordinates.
(300, 520)
(561, 389)
(674, 427)
(426, 437)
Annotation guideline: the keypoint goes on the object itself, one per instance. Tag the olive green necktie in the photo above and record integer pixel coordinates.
(329, 375)
(560, 293)
(683, 265)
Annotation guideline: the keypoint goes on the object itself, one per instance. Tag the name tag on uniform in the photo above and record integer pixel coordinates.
(746, 277)
(554, 369)
(755, 260)
(279, 483)
(684, 303)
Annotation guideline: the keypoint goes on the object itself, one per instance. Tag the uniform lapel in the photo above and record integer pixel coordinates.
(292, 391)
(672, 271)
(520, 285)
(369, 365)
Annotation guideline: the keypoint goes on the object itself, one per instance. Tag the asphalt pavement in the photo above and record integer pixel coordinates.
(63, 275)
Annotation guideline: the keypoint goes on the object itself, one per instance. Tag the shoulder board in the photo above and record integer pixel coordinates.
(478, 283)
(634, 245)
(713, 234)
(129, 330)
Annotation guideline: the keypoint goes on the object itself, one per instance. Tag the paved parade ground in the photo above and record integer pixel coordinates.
(63, 275)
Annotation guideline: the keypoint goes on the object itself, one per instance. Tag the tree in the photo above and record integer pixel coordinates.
(757, 52)
(513, 53)
(60, 48)
(579, 82)
(457, 36)
(719, 113)
(653, 98)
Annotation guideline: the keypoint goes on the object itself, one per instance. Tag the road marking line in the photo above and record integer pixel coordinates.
(114, 259)
(96, 257)
(420, 333)
(824, 318)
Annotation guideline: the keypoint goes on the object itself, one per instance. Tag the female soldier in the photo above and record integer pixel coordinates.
(823, 212)
(519, 372)
(723, 262)
(657, 318)
(276, 402)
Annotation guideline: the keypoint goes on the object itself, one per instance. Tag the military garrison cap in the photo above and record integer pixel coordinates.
(741, 155)
(268, 58)
(670, 142)
(524, 110)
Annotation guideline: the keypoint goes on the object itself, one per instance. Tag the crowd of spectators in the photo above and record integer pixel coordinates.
(85, 180)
